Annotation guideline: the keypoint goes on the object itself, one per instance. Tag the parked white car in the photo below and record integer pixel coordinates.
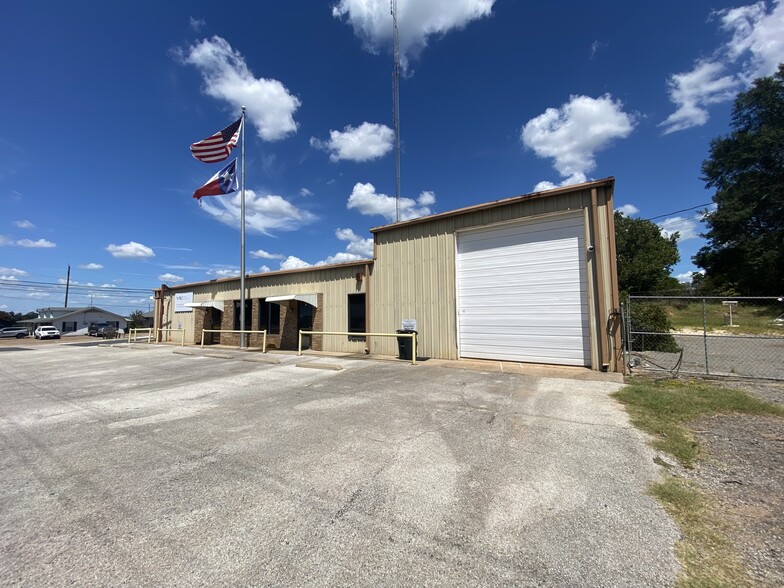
(46, 332)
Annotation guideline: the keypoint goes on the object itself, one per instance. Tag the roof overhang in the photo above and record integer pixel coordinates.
(311, 299)
(217, 304)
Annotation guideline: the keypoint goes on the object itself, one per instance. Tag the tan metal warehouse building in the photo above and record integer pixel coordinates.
(529, 279)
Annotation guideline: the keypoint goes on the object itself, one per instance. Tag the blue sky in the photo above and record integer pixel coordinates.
(497, 98)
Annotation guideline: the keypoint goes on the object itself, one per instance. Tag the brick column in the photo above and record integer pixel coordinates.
(227, 323)
(198, 324)
(254, 339)
(316, 342)
(289, 335)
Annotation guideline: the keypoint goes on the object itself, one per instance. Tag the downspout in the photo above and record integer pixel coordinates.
(600, 284)
(614, 339)
(367, 307)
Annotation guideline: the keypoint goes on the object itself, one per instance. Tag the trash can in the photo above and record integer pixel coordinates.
(405, 345)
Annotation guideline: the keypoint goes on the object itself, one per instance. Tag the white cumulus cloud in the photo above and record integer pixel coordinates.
(264, 269)
(692, 91)
(224, 272)
(292, 262)
(687, 228)
(168, 278)
(417, 21)
(261, 254)
(262, 213)
(357, 248)
(366, 142)
(226, 76)
(35, 244)
(627, 209)
(24, 224)
(12, 271)
(369, 202)
(131, 249)
(91, 266)
(754, 49)
(572, 134)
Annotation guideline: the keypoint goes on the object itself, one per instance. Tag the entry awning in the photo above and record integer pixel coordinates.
(217, 304)
(311, 299)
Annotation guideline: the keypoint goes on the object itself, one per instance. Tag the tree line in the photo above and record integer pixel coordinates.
(744, 252)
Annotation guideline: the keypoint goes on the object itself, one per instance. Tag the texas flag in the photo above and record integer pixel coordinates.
(224, 182)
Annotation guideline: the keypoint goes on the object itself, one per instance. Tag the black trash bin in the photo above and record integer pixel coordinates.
(405, 345)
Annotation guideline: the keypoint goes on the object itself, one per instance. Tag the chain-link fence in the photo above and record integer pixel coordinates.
(718, 336)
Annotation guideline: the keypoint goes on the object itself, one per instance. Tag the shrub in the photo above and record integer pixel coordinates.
(651, 318)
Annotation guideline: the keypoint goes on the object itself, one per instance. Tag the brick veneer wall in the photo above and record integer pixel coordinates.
(289, 334)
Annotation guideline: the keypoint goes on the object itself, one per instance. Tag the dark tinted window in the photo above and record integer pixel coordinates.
(269, 317)
(356, 313)
(248, 315)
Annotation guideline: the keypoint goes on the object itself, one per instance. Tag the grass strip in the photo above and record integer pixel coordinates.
(705, 551)
(664, 407)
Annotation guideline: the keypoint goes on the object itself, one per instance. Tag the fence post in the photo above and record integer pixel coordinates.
(625, 335)
(705, 333)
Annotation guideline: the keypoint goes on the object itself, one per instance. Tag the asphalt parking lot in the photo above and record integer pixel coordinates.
(139, 466)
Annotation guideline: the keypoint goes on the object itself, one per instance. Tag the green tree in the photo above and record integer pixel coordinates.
(645, 257)
(745, 249)
(136, 320)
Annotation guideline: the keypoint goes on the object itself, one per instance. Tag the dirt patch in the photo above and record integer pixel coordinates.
(743, 468)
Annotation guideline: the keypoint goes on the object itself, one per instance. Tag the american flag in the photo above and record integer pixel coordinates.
(218, 146)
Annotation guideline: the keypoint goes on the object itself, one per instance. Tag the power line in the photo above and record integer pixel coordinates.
(677, 211)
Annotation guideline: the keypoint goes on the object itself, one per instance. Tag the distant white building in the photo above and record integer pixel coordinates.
(75, 321)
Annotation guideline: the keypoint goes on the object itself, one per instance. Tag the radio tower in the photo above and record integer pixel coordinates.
(396, 105)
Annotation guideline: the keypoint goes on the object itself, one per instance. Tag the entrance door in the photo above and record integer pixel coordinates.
(305, 321)
(213, 320)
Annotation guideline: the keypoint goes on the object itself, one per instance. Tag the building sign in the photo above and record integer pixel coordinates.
(409, 325)
(181, 299)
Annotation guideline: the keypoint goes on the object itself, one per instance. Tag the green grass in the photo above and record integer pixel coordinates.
(751, 319)
(707, 554)
(664, 409)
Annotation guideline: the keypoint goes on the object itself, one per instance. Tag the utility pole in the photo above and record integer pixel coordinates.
(67, 285)
(396, 104)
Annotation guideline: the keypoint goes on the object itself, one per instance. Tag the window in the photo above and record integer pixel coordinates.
(248, 314)
(356, 313)
(68, 327)
(269, 317)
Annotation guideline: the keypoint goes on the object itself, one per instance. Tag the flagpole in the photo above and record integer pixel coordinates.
(242, 239)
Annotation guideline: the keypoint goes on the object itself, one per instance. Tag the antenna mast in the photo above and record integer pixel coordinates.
(396, 105)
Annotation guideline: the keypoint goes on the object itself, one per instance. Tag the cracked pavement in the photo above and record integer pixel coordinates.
(142, 467)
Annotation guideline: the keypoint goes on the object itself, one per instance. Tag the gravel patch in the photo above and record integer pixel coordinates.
(743, 468)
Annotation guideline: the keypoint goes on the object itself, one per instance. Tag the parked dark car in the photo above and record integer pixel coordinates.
(97, 329)
(100, 330)
(18, 332)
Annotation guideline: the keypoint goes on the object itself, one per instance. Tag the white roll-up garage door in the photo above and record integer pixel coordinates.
(522, 292)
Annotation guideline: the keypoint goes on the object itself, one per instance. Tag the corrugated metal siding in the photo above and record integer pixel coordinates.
(334, 283)
(415, 272)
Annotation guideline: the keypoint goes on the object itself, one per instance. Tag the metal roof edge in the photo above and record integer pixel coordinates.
(608, 181)
(298, 270)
